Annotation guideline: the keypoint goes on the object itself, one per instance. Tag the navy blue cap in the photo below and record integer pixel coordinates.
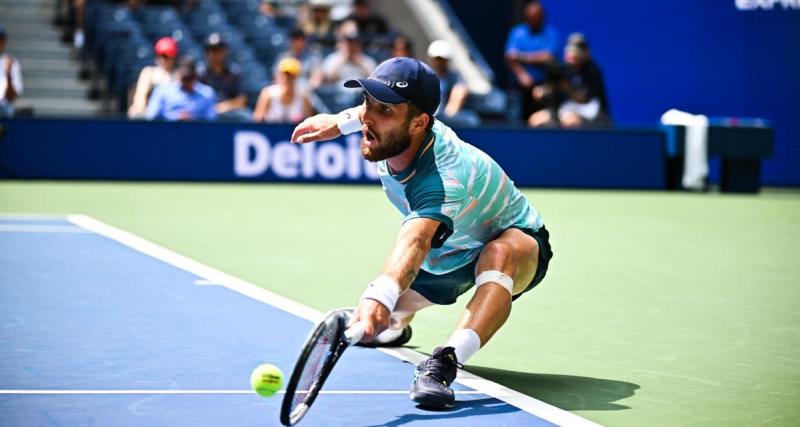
(399, 80)
(2, 31)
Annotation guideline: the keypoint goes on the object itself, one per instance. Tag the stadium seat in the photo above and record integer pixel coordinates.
(492, 105)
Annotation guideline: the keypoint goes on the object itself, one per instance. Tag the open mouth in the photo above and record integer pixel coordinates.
(369, 136)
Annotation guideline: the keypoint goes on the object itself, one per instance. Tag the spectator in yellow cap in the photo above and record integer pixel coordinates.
(287, 100)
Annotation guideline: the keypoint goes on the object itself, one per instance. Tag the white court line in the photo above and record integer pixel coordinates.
(69, 392)
(25, 228)
(526, 403)
(30, 217)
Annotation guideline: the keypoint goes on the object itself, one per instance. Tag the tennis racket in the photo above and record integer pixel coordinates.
(323, 347)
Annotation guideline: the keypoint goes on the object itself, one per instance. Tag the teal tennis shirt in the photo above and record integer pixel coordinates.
(463, 188)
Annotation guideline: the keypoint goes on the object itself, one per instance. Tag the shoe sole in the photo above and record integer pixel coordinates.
(430, 400)
(402, 339)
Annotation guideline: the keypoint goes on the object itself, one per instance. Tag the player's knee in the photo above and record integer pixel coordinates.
(497, 252)
(496, 280)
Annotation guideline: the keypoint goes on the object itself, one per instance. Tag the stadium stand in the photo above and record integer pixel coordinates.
(118, 39)
(119, 43)
(50, 74)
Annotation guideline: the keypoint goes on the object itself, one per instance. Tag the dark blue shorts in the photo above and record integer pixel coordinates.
(444, 289)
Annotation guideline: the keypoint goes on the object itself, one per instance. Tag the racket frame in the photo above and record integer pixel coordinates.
(289, 417)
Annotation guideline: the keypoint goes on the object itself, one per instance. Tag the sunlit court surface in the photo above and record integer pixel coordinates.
(149, 304)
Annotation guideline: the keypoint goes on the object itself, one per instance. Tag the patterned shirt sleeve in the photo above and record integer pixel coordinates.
(436, 198)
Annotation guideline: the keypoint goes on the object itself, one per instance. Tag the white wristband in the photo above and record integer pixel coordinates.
(384, 290)
(348, 121)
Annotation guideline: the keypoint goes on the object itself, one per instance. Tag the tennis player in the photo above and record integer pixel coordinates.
(466, 225)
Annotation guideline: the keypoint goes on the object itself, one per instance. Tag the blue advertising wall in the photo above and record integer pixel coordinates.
(738, 58)
(84, 149)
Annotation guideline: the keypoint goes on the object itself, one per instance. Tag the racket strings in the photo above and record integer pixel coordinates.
(309, 381)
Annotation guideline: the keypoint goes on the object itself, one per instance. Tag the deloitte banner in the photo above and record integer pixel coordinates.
(135, 150)
(254, 156)
(126, 150)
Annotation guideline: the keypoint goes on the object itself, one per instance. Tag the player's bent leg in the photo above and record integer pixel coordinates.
(506, 266)
(515, 255)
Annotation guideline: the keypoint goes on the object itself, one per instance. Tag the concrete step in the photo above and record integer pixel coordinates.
(30, 36)
(55, 83)
(48, 64)
(60, 73)
(25, 10)
(12, 9)
(59, 107)
(69, 92)
(23, 3)
(38, 19)
(48, 45)
(30, 33)
(25, 56)
(30, 26)
(26, 7)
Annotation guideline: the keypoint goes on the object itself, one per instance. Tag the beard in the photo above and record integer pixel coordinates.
(376, 147)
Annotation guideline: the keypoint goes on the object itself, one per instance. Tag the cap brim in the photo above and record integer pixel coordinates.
(377, 90)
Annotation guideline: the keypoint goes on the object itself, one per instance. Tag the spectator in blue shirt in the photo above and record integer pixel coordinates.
(531, 48)
(231, 99)
(184, 99)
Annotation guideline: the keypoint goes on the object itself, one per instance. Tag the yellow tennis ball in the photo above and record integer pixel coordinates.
(266, 379)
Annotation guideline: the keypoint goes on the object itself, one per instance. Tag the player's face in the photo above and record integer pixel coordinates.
(385, 130)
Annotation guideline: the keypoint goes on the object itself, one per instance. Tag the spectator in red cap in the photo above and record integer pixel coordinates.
(166, 50)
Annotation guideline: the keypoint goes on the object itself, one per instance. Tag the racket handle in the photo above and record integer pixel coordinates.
(355, 332)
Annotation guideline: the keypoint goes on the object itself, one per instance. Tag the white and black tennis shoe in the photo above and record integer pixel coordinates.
(433, 378)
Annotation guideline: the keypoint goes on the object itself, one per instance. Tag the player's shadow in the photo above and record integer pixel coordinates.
(568, 392)
(463, 408)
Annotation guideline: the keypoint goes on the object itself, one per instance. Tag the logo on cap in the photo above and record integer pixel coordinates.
(401, 84)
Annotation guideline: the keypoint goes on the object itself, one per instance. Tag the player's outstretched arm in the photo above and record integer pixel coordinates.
(400, 270)
(323, 127)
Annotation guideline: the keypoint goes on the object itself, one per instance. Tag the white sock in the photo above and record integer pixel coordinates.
(388, 335)
(466, 342)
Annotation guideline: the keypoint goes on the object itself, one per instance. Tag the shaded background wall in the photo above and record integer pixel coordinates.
(705, 57)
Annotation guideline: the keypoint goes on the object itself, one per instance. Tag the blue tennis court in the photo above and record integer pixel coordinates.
(100, 327)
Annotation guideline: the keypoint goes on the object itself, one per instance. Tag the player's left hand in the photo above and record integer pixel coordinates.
(374, 315)
(321, 127)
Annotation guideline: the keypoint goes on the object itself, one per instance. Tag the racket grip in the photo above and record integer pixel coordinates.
(355, 332)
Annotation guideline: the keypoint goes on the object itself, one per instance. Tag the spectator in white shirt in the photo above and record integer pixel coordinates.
(10, 78)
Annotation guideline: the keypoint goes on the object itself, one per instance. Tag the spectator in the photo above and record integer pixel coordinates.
(166, 50)
(401, 46)
(184, 99)
(286, 101)
(269, 8)
(231, 100)
(349, 61)
(318, 25)
(586, 103)
(579, 94)
(10, 78)
(369, 24)
(530, 48)
(73, 21)
(451, 87)
(310, 61)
